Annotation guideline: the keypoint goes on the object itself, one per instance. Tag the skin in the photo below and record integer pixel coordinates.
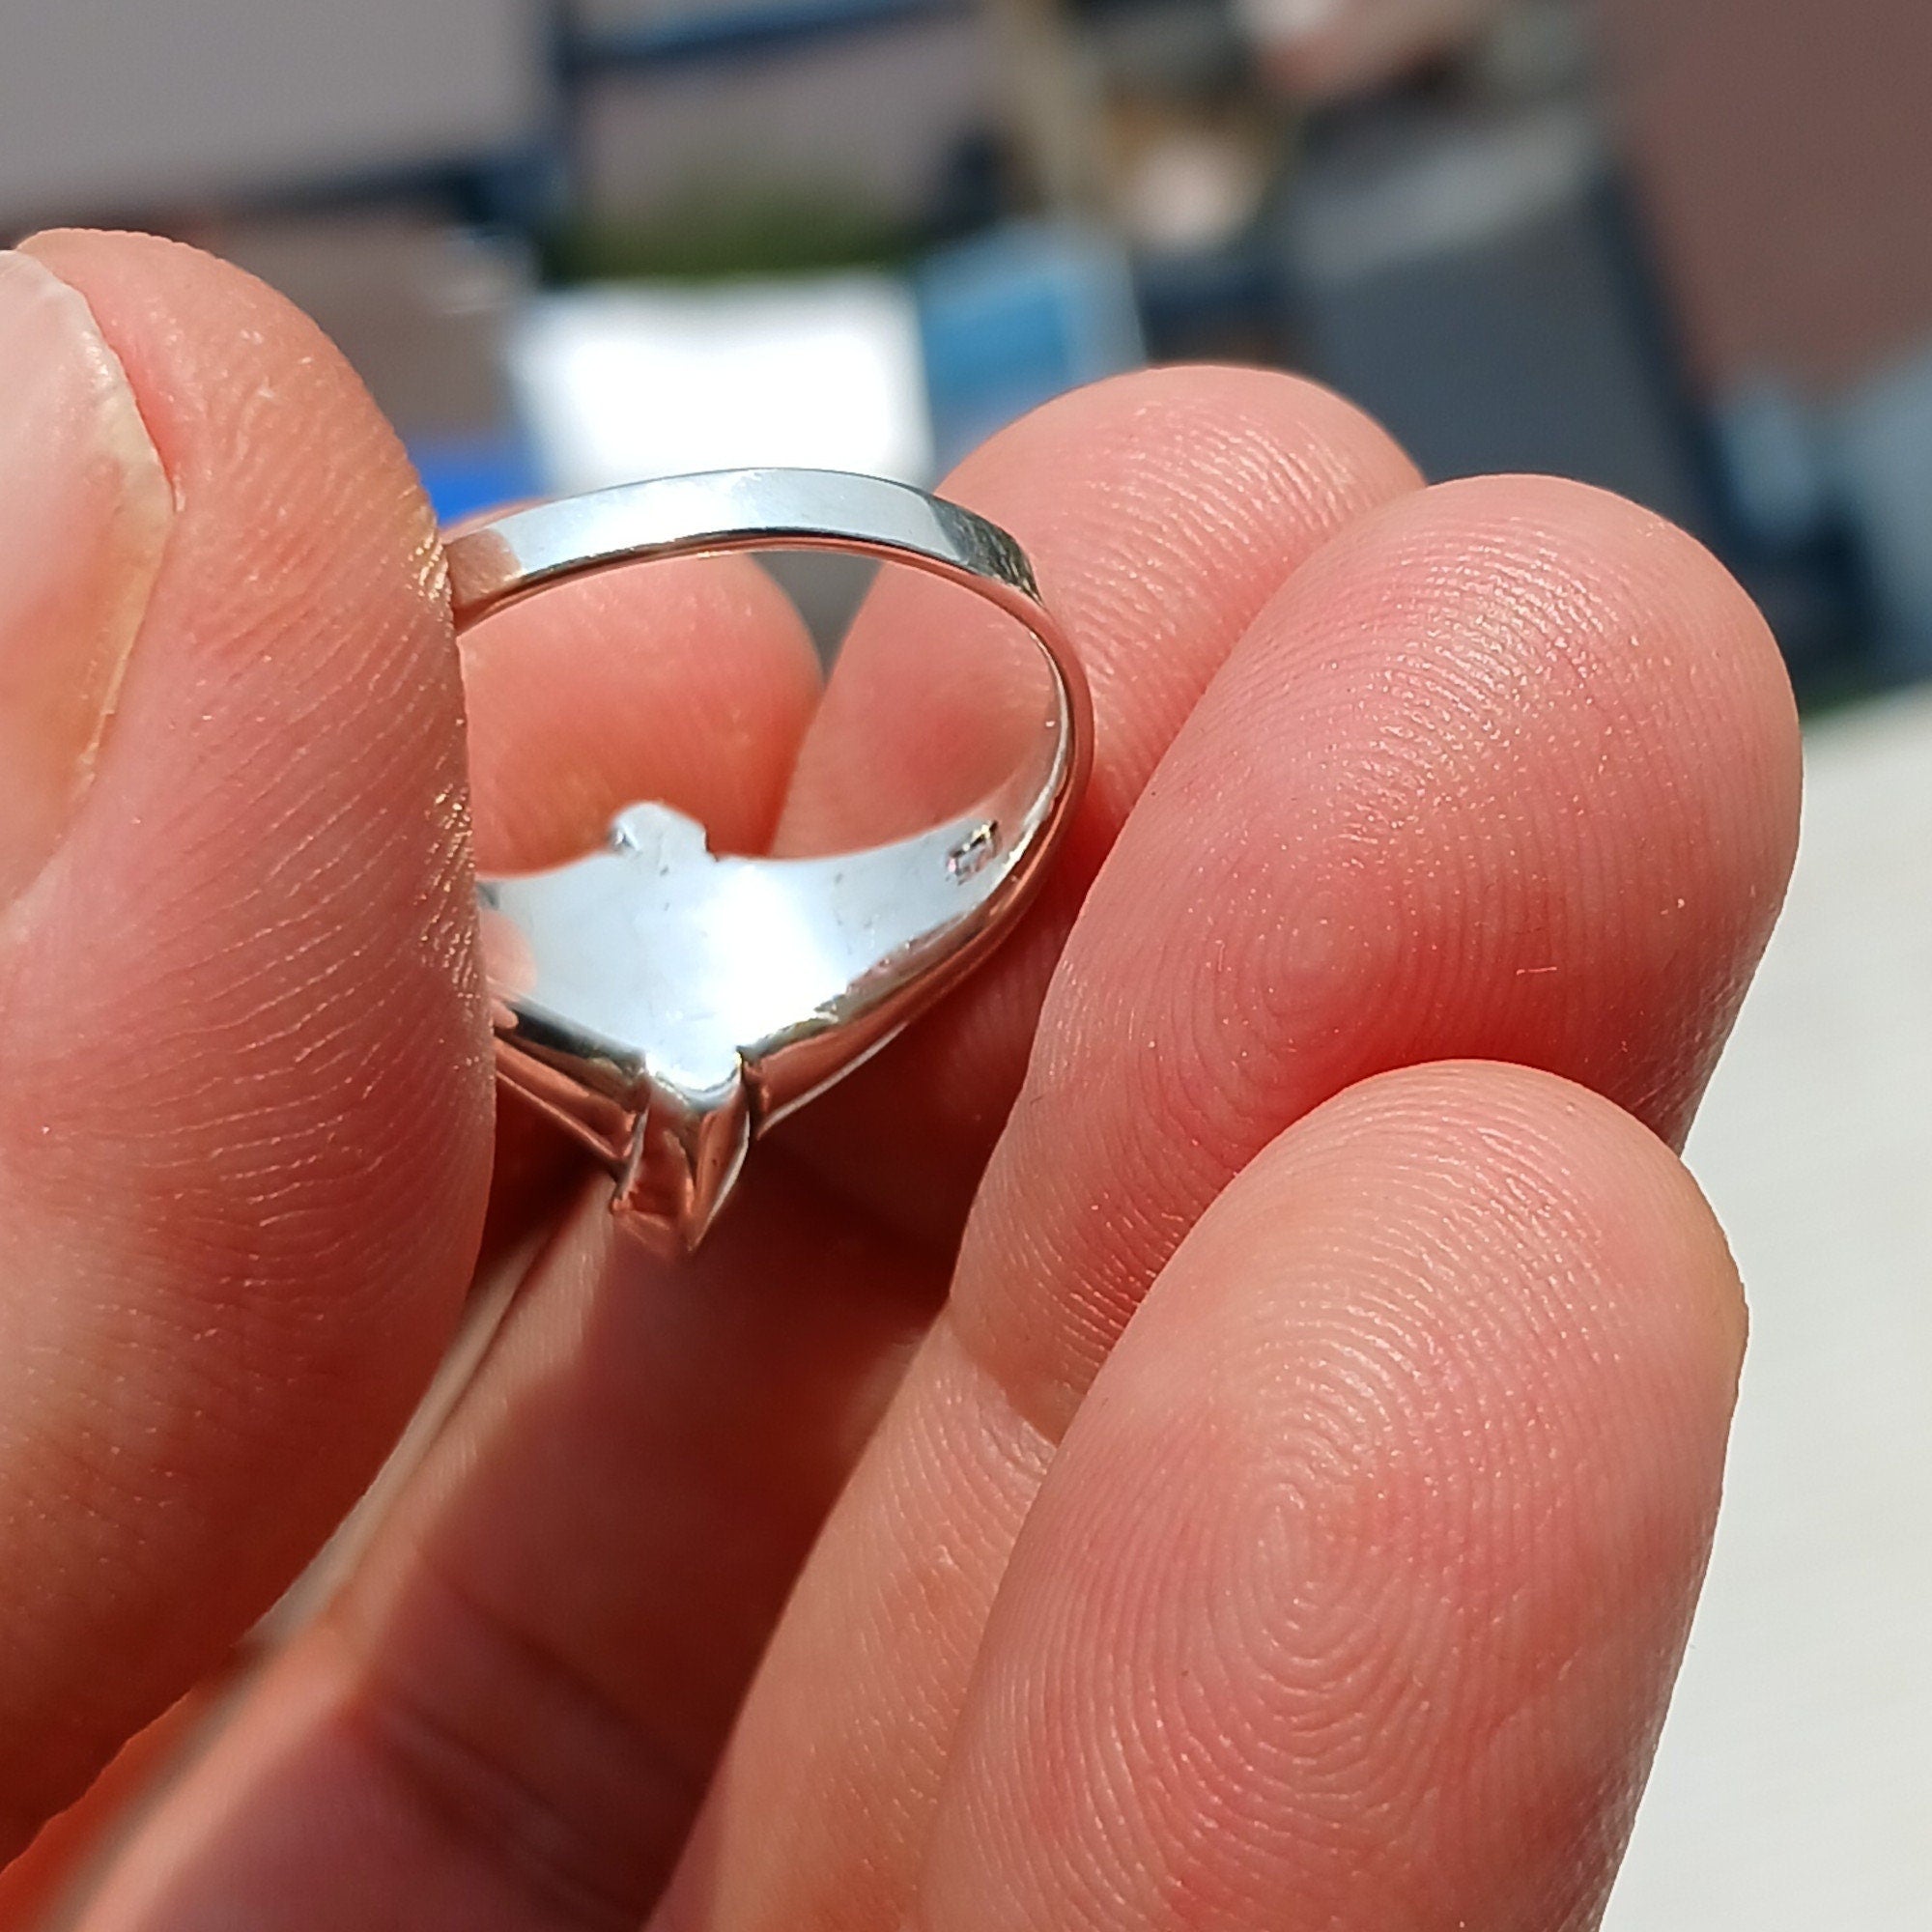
(1219, 1427)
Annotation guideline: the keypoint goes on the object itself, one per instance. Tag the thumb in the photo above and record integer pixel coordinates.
(243, 1080)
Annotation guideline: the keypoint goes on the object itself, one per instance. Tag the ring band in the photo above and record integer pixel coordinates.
(667, 1005)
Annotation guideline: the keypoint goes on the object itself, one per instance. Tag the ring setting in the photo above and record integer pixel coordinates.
(667, 1005)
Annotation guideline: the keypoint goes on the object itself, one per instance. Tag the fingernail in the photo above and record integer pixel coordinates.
(85, 507)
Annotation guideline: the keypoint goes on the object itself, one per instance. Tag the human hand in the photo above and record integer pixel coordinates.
(1432, 839)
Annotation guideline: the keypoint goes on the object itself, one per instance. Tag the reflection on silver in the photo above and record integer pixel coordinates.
(667, 1005)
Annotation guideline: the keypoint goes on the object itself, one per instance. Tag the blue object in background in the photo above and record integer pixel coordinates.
(748, 30)
(465, 475)
(1016, 317)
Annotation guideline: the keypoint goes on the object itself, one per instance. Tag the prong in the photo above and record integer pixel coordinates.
(685, 1158)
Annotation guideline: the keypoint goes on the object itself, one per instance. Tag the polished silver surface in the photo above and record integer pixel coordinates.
(667, 1005)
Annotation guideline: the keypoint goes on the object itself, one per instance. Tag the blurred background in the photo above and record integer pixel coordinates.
(1679, 248)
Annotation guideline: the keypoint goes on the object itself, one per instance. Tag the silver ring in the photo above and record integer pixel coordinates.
(667, 1005)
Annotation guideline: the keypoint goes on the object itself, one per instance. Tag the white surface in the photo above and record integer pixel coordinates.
(107, 106)
(622, 383)
(1794, 1787)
